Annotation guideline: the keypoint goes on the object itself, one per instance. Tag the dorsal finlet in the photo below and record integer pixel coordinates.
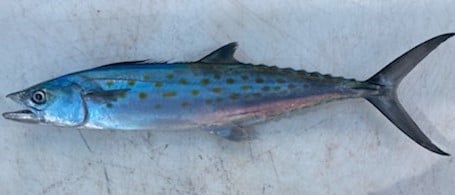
(223, 55)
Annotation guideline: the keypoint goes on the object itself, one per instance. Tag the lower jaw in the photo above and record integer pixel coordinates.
(24, 116)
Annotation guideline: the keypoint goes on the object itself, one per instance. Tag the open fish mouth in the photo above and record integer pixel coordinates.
(25, 116)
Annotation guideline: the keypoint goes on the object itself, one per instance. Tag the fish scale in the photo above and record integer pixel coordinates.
(218, 94)
(211, 93)
(228, 83)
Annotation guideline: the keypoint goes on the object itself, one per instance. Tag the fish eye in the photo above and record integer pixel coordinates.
(39, 97)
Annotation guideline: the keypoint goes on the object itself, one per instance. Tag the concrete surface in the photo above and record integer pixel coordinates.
(339, 148)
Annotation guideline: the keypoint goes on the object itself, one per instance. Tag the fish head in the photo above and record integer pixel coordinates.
(58, 102)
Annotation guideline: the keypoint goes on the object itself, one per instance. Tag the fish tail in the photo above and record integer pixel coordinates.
(390, 77)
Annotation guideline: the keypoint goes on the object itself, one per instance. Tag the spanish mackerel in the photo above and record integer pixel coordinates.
(217, 93)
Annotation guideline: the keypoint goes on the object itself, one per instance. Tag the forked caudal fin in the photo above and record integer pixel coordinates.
(390, 77)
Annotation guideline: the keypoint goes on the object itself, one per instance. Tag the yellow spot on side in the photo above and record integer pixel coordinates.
(158, 84)
(280, 80)
(147, 77)
(183, 81)
(229, 81)
(169, 76)
(131, 82)
(122, 94)
(208, 101)
(246, 87)
(259, 80)
(234, 96)
(169, 94)
(205, 82)
(109, 83)
(266, 88)
(185, 104)
(142, 95)
(195, 92)
(216, 90)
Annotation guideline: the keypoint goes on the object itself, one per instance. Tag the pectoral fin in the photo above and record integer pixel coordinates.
(234, 133)
(106, 96)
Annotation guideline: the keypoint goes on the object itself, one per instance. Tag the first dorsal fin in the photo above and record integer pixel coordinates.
(122, 64)
(223, 55)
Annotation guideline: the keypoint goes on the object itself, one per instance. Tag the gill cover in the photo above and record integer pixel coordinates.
(66, 107)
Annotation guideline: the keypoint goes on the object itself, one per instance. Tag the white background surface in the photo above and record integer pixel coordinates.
(340, 148)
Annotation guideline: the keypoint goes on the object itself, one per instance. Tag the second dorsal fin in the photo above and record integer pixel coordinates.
(223, 55)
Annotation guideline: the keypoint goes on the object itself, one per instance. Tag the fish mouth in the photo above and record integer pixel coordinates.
(25, 116)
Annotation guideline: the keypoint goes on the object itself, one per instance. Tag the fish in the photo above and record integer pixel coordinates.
(218, 94)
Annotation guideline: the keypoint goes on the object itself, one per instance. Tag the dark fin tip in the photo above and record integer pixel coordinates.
(449, 34)
(443, 153)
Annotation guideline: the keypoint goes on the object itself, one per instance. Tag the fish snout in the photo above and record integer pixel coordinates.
(17, 96)
(25, 116)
